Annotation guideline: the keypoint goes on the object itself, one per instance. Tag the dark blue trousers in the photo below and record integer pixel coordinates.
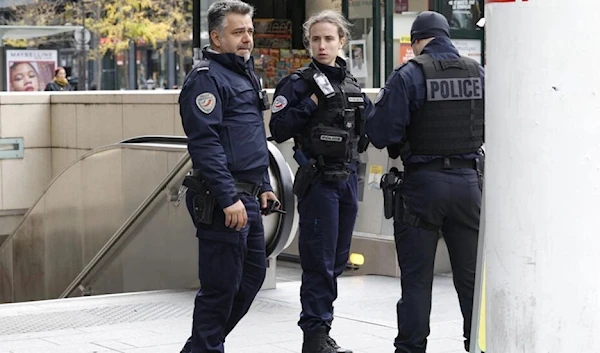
(327, 215)
(231, 269)
(452, 200)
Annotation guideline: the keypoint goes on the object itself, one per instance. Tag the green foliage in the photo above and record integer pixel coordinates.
(125, 20)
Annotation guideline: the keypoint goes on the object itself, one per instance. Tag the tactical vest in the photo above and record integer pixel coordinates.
(451, 120)
(336, 126)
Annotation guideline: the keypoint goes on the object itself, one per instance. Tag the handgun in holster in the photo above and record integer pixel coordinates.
(203, 202)
(390, 186)
(479, 167)
(306, 174)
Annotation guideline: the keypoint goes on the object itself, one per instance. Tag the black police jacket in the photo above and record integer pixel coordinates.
(221, 113)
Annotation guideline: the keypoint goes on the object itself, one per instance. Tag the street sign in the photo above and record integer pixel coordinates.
(82, 36)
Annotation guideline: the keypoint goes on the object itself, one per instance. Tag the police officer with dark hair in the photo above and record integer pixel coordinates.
(221, 106)
(431, 114)
(322, 107)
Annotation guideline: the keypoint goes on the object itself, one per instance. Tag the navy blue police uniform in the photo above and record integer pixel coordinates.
(430, 113)
(328, 140)
(221, 109)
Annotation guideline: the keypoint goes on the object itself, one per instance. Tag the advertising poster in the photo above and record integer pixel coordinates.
(29, 70)
(462, 14)
(470, 48)
(406, 52)
(358, 59)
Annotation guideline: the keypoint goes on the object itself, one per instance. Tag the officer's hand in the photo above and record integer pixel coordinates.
(315, 99)
(265, 197)
(236, 216)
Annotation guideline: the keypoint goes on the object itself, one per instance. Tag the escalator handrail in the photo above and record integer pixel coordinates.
(156, 139)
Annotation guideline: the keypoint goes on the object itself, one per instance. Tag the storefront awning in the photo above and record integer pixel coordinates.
(26, 32)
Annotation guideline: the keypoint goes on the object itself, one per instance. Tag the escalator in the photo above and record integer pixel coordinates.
(115, 221)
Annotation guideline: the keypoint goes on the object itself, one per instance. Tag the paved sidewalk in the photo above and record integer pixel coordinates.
(159, 322)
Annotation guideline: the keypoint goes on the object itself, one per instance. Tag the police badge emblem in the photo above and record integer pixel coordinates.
(206, 102)
(279, 103)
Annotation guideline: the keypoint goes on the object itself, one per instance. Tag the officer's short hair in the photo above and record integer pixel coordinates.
(220, 9)
(333, 17)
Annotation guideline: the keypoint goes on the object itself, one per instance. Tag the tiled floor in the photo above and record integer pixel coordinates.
(159, 322)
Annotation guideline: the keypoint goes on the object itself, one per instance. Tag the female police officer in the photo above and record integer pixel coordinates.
(321, 106)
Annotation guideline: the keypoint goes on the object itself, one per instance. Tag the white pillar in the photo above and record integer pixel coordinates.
(543, 176)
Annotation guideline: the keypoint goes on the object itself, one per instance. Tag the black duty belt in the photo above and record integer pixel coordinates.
(247, 188)
(241, 187)
(443, 163)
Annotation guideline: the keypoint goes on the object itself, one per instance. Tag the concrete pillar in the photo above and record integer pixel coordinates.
(171, 78)
(132, 66)
(542, 176)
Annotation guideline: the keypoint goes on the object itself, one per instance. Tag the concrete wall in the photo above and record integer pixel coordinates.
(60, 127)
(82, 122)
(23, 180)
(57, 128)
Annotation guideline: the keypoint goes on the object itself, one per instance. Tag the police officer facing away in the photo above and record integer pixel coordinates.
(321, 106)
(221, 106)
(430, 113)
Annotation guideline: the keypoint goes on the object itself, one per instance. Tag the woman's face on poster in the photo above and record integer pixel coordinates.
(23, 77)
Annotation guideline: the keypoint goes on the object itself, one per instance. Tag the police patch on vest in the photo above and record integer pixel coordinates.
(453, 89)
(329, 138)
(355, 99)
(380, 95)
(206, 102)
(279, 103)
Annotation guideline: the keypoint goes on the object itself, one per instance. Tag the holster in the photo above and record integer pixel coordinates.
(203, 202)
(363, 143)
(305, 176)
(479, 166)
(392, 198)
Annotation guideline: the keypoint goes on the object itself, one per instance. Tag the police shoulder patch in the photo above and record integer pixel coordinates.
(206, 102)
(380, 95)
(279, 103)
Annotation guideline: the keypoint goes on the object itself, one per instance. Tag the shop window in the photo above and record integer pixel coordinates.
(273, 55)
(462, 14)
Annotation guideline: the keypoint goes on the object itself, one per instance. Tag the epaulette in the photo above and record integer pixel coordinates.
(401, 66)
(202, 65)
(305, 72)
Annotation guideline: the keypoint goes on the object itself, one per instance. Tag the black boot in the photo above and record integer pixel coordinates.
(316, 342)
(333, 344)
